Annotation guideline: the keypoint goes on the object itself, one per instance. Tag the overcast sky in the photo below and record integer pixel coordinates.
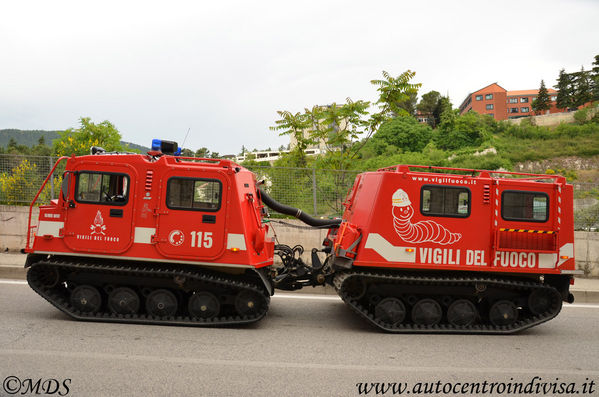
(223, 68)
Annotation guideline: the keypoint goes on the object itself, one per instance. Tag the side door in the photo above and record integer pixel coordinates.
(193, 214)
(100, 211)
(526, 229)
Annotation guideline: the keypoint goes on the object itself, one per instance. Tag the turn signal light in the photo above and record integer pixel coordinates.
(234, 249)
(409, 249)
(564, 257)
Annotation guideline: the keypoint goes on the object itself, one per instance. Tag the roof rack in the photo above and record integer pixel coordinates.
(480, 173)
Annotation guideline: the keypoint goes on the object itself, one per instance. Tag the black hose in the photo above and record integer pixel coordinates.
(296, 212)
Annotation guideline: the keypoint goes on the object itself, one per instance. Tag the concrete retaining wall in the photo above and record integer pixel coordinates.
(587, 252)
(551, 119)
(13, 227)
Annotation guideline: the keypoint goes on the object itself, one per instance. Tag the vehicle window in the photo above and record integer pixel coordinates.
(525, 206)
(194, 194)
(445, 201)
(102, 188)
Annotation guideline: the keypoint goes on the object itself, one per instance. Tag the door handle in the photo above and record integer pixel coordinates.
(208, 218)
(116, 213)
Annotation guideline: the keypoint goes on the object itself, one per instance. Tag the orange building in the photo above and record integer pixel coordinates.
(501, 104)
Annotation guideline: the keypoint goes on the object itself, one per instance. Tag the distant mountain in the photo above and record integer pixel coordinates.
(142, 149)
(27, 137)
(31, 138)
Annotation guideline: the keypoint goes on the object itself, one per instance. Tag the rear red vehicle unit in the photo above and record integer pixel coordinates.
(164, 239)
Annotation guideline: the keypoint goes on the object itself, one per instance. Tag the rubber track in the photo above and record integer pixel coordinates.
(53, 295)
(429, 281)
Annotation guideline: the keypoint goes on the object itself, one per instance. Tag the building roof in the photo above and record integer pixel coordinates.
(470, 94)
(529, 92)
(489, 86)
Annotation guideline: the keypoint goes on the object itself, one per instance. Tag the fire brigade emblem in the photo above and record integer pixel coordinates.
(98, 227)
(176, 238)
(420, 232)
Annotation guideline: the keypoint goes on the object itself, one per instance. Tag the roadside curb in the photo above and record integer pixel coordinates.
(585, 296)
(13, 272)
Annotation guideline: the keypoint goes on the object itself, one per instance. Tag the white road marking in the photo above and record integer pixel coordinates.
(145, 359)
(329, 297)
(308, 296)
(4, 281)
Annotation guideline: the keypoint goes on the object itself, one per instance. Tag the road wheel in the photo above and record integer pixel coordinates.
(248, 302)
(203, 305)
(162, 303)
(390, 311)
(503, 312)
(462, 313)
(123, 301)
(427, 312)
(86, 298)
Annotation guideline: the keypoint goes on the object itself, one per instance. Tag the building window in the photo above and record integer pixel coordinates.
(479, 97)
(512, 100)
(489, 106)
(445, 201)
(524, 100)
(193, 194)
(524, 110)
(102, 188)
(513, 110)
(524, 206)
(489, 96)
(554, 98)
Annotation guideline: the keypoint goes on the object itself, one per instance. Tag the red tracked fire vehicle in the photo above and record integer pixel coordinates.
(164, 239)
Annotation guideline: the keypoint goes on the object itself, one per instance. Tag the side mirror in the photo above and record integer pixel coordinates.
(64, 189)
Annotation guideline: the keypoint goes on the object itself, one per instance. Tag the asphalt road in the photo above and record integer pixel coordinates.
(306, 346)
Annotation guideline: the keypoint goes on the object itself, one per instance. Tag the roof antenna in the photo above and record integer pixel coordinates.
(183, 144)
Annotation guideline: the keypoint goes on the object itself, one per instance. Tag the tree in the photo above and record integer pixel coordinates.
(393, 91)
(543, 101)
(409, 105)
(187, 153)
(79, 141)
(427, 105)
(564, 91)
(202, 152)
(443, 105)
(295, 125)
(582, 88)
(595, 79)
(404, 133)
(455, 132)
(340, 126)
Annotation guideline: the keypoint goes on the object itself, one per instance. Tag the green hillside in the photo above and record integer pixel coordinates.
(30, 138)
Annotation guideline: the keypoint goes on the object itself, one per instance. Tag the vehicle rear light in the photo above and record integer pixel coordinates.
(409, 249)
(234, 249)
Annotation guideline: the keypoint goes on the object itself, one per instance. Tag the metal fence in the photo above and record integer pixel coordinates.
(21, 177)
(315, 191)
